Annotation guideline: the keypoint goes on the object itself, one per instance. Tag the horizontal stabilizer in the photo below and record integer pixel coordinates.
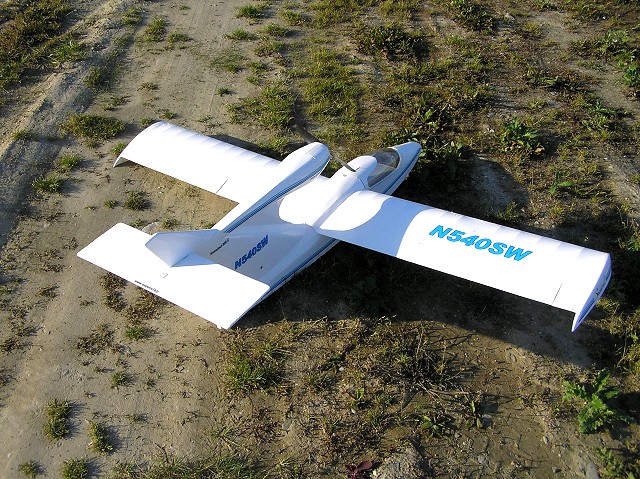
(560, 274)
(210, 290)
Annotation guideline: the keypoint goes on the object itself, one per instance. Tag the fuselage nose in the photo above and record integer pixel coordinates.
(408, 151)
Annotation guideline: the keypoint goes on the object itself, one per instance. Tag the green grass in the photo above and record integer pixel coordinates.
(178, 37)
(118, 148)
(293, 18)
(28, 41)
(473, 15)
(132, 16)
(272, 109)
(94, 128)
(99, 340)
(391, 41)
(99, 438)
(252, 367)
(327, 13)
(29, 469)
(156, 30)
(22, 135)
(75, 469)
(330, 88)
(275, 30)
(209, 467)
(229, 60)
(268, 47)
(67, 50)
(136, 201)
(597, 412)
(69, 162)
(52, 183)
(241, 35)
(120, 378)
(254, 12)
(57, 426)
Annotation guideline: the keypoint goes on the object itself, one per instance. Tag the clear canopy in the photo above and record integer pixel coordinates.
(388, 160)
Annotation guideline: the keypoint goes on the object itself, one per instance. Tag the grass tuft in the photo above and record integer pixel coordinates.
(57, 427)
(93, 127)
(156, 30)
(391, 41)
(253, 11)
(99, 438)
(29, 469)
(136, 201)
(75, 469)
(51, 183)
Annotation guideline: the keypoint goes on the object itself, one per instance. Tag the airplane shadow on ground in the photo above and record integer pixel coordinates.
(407, 292)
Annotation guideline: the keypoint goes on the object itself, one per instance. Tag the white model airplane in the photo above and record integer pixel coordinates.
(288, 216)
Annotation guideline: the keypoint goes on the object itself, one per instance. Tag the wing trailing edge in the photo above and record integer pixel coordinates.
(560, 274)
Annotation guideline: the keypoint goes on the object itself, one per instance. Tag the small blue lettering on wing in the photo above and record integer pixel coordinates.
(252, 252)
(486, 244)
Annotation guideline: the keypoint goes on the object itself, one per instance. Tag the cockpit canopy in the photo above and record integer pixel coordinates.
(388, 160)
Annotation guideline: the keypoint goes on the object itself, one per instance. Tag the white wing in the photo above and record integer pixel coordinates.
(213, 165)
(560, 274)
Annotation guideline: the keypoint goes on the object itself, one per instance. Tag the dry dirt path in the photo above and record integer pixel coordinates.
(176, 396)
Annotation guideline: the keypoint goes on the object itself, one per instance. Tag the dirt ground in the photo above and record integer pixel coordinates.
(507, 356)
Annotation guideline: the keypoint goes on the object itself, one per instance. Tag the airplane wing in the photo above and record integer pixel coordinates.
(212, 291)
(566, 276)
(213, 165)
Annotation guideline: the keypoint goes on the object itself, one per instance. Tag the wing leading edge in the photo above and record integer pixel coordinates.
(560, 274)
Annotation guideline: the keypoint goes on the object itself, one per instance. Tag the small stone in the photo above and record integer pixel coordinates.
(406, 464)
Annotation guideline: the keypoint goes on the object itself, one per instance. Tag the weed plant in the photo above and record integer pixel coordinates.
(136, 201)
(99, 439)
(391, 41)
(120, 378)
(272, 109)
(29, 469)
(57, 426)
(29, 39)
(68, 162)
(597, 412)
(156, 30)
(51, 183)
(75, 469)
(99, 340)
(94, 128)
(518, 136)
(330, 89)
(473, 15)
(254, 12)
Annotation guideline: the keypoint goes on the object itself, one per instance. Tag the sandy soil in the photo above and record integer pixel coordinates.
(177, 396)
